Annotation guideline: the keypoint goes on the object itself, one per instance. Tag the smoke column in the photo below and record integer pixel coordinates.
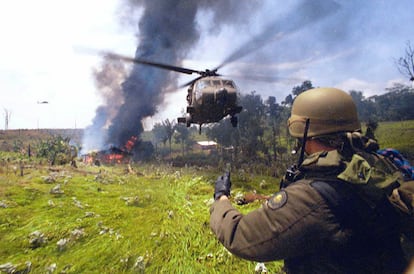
(108, 79)
(168, 30)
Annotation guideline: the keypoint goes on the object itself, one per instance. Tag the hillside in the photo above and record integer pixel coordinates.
(16, 139)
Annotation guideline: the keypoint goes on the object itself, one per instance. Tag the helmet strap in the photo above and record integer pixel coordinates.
(293, 173)
(305, 137)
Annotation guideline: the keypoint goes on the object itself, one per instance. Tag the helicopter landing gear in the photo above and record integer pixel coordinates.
(185, 120)
(181, 120)
(234, 121)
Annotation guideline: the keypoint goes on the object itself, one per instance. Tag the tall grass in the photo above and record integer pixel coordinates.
(155, 220)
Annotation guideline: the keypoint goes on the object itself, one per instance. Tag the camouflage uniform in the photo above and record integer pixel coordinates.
(334, 216)
(328, 221)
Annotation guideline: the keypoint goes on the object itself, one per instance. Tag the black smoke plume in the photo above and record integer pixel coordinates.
(168, 30)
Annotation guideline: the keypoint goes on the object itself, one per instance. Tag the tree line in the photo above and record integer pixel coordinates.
(261, 136)
(261, 140)
(394, 105)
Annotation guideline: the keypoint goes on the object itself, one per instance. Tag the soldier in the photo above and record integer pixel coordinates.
(330, 215)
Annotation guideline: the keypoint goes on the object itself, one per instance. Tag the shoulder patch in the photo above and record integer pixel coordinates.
(278, 200)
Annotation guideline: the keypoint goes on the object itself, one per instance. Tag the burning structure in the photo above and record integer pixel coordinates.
(110, 156)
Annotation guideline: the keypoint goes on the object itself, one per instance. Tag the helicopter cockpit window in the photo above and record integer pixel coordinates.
(228, 83)
(202, 84)
(198, 94)
(199, 87)
(216, 83)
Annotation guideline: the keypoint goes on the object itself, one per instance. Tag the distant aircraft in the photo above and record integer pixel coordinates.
(42, 102)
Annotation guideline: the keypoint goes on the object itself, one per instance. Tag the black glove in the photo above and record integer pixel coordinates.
(222, 186)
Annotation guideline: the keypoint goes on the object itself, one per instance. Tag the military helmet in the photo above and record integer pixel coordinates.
(329, 110)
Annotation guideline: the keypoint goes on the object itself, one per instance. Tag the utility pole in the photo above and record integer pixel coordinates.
(7, 116)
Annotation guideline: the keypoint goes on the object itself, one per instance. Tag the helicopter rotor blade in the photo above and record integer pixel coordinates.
(190, 82)
(264, 78)
(285, 26)
(112, 55)
(291, 23)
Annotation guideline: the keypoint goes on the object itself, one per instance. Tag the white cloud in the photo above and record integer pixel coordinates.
(40, 61)
(370, 88)
(367, 88)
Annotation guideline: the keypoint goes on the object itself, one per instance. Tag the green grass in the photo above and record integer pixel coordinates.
(155, 220)
(398, 135)
(157, 215)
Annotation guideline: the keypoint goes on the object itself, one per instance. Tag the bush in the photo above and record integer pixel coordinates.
(57, 150)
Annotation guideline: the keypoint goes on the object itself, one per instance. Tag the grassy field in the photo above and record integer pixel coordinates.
(149, 219)
(142, 219)
(398, 135)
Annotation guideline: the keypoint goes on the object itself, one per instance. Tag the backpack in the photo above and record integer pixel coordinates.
(402, 196)
(373, 177)
(398, 159)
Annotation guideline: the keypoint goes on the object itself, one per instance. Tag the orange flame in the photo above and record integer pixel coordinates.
(130, 143)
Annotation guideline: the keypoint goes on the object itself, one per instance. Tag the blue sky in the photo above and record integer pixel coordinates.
(354, 49)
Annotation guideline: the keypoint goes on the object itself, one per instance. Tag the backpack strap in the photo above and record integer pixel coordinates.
(341, 200)
(371, 230)
(353, 210)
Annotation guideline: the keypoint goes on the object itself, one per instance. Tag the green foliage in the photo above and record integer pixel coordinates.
(169, 128)
(183, 136)
(154, 220)
(395, 105)
(262, 138)
(306, 85)
(159, 133)
(57, 150)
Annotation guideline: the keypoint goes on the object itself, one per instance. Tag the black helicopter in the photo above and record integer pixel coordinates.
(210, 97)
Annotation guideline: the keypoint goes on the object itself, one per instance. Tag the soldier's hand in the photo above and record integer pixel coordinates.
(222, 186)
